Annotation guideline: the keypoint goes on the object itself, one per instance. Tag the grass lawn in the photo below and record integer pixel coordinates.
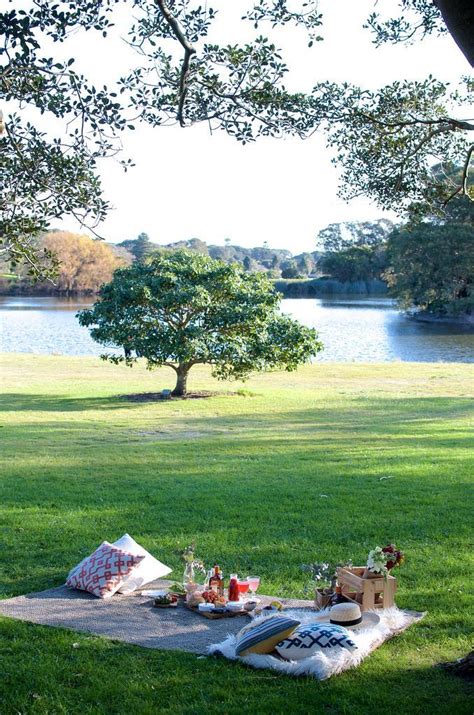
(284, 473)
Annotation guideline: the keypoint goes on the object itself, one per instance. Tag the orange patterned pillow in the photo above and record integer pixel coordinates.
(103, 572)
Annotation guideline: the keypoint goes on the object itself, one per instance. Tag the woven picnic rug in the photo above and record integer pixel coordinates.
(131, 619)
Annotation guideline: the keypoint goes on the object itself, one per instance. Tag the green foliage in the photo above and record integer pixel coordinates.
(444, 181)
(357, 263)
(385, 139)
(140, 247)
(339, 236)
(432, 268)
(354, 251)
(305, 263)
(181, 308)
(290, 269)
(418, 18)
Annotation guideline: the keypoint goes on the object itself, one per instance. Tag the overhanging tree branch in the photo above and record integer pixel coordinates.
(189, 51)
(464, 187)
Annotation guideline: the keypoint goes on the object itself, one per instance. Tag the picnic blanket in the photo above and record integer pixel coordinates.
(131, 618)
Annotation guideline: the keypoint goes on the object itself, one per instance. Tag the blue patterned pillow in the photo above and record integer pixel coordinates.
(312, 638)
(263, 637)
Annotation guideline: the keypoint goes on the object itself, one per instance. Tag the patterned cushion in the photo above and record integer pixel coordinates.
(103, 572)
(264, 635)
(149, 570)
(315, 638)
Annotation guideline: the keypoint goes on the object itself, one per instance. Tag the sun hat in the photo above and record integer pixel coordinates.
(349, 615)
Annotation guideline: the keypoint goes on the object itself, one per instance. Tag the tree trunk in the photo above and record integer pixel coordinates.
(459, 18)
(181, 380)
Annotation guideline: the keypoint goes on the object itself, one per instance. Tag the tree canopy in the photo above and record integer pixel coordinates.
(181, 309)
(432, 268)
(357, 263)
(341, 236)
(383, 139)
(84, 264)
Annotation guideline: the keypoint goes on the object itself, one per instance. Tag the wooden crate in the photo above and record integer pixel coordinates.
(367, 592)
(321, 600)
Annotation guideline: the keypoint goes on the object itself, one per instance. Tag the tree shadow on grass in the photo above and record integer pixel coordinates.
(25, 402)
(358, 409)
(18, 402)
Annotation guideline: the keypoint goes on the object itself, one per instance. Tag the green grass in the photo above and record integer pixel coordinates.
(288, 471)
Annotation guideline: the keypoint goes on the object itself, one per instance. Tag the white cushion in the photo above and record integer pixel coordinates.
(312, 638)
(148, 570)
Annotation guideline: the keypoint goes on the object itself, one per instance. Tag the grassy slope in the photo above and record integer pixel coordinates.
(262, 483)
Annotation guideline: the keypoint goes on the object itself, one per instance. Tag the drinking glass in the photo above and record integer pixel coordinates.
(243, 585)
(254, 583)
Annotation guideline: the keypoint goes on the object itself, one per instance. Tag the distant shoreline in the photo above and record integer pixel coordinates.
(291, 288)
(464, 320)
(320, 287)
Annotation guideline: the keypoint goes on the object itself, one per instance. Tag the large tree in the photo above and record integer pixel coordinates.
(357, 263)
(384, 139)
(432, 268)
(182, 309)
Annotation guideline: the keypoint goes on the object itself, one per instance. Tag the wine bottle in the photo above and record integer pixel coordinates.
(215, 581)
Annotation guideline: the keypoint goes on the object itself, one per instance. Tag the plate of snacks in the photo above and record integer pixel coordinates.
(166, 600)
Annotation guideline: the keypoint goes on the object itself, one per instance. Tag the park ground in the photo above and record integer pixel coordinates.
(321, 464)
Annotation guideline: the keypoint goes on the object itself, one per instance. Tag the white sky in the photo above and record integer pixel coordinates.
(187, 183)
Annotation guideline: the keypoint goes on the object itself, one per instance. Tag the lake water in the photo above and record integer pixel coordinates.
(352, 330)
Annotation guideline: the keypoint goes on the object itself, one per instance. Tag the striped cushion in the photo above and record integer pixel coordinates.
(263, 637)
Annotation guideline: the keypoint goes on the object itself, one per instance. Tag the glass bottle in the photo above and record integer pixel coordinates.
(214, 579)
(233, 588)
(188, 576)
(338, 596)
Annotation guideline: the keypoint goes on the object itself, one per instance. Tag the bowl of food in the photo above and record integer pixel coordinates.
(234, 606)
(250, 605)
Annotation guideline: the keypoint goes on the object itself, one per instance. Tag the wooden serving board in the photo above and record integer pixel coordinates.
(166, 605)
(215, 616)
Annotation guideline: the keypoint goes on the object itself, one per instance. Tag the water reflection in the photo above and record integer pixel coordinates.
(352, 330)
(372, 330)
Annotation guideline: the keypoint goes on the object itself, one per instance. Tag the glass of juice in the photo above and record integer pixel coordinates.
(254, 583)
(243, 585)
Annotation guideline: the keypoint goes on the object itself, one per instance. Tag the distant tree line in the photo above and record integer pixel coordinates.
(428, 266)
(275, 262)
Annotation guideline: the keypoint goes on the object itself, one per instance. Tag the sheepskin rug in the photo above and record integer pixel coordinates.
(324, 665)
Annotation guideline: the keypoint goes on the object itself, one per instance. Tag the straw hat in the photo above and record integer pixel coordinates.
(349, 615)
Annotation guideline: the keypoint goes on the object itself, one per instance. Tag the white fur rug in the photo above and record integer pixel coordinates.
(322, 666)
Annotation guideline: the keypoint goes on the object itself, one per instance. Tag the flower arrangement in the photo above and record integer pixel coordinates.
(324, 575)
(382, 560)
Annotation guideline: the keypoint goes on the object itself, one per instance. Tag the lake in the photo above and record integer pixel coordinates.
(352, 330)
